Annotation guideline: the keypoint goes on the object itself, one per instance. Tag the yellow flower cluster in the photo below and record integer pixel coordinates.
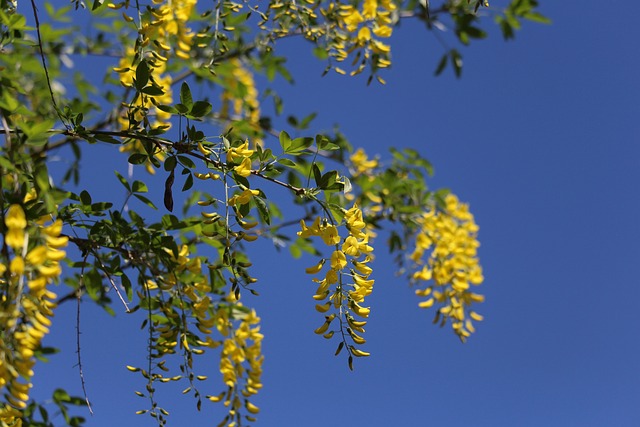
(240, 95)
(164, 24)
(241, 359)
(361, 163)
(346, 298)
(163, 30)
(241, 157)
(451, 236)
(372, 22)
(26, 305)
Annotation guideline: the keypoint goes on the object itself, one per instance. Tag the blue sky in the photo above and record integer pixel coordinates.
(541, 136)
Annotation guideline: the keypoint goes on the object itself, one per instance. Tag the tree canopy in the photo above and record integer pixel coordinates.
(184, 258)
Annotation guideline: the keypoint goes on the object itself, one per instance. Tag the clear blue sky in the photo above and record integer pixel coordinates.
(542, 137)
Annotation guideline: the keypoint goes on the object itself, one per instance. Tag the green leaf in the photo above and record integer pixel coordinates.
(123, 181)
(317, 175)
(126, 284)
(93, 284)
(145, 201)
(287, 162)
(142, 75)
(456, 60)
(298, 145)
(152, 90)
(96, 4)
(85, 198)
(138, 158)
(537, 17)
(60, 395)
(186, 162)
(167, 108)
(188, 183)
(200, 109)
(327, 180)
(285, 141)
(185, 96)
(138, 187)
(170, 163)
(263, 210)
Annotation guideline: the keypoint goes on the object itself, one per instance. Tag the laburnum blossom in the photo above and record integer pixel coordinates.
(450, 238)
(240, 362)
(361, 163)
(27, 303)
(342, 288)
(243, 198)
(241, 157)
(366, 26)
(16, 224)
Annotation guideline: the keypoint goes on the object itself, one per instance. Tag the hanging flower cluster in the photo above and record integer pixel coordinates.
(26, 305)
(450, 236)
(370, 24)
(186, 290)
(341, 289)
(239, 97)
(240, 362)
(361, 163)
(160, 29)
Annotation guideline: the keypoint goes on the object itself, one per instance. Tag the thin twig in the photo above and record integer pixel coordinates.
(113, 284)
(78, 299)
(44, 65)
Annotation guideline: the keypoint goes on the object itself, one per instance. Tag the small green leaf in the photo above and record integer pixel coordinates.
(152, 91)
(186, 162)
(170, 163)
(142, 75)
(123, 181)
(188, 183)
(298, 145)
(138, 187)
(60, 395)
(85, 198)
(287, 162)
(145, 201)
(138, 158)
(285, 141)
(263, 210)
(167, 108)
(185, 96)
(200, 109)
(456, 60)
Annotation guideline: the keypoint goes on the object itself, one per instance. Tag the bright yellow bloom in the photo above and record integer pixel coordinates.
(16, 223)
(244, 168)
(239, 153)
(360, 161)
(330, 235)
(243, 198)
(338, 260)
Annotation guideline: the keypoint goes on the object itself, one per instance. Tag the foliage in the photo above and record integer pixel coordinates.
(187, 271)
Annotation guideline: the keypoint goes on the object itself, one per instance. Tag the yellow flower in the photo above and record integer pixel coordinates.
(244, 168)
(330, 235)
(316, 268)
(238, 153)
(17, 265)
(338, 260)
(314, 230)
(243, 198)
(360, 160)
(350, 246)
(16, 223)
(15, 217)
